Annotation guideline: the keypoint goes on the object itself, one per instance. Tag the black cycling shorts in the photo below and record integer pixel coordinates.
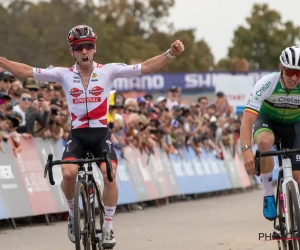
(93, 140)
(289, 134)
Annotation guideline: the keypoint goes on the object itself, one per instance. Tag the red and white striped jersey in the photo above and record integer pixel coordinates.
(88, 107)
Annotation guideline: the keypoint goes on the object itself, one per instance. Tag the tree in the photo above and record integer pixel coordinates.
(264, 38)
(36, 33)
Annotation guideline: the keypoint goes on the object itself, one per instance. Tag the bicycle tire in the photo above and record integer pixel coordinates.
(81, 236)
(98, 216)
(294, 213)
(284, 244)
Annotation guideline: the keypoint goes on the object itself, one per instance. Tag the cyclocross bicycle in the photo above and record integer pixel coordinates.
(287, 230)
(87, 200)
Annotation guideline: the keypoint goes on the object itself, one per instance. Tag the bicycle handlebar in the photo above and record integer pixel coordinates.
(286, 152)
(50, 163)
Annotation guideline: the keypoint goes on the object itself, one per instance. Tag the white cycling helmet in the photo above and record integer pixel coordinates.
(290, 57)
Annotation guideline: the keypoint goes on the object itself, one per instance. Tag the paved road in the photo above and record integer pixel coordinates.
(230, 222)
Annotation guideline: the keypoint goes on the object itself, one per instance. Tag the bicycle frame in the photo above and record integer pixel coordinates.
(285, 175)
(88, 178)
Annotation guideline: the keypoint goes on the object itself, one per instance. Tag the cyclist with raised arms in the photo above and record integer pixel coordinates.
(87, 86)
(272, 113)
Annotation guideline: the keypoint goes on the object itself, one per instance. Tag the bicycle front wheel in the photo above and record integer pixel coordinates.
(293, 215)
(81, 224)
(97, 211)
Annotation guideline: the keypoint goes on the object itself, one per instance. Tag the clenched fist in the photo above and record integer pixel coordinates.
(176, 48)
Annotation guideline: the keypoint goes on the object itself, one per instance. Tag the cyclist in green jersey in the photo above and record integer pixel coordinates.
(272, 113)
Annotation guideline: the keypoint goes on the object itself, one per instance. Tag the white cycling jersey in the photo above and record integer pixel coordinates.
(88, 107)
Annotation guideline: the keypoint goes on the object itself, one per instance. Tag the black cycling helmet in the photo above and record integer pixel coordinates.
(81, 33)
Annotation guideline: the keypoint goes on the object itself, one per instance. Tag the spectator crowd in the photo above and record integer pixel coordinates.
(38, 109)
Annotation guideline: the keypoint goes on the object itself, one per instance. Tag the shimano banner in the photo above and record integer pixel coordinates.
(201, 81)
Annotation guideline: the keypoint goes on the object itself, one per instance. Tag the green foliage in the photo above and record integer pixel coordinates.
(264, 38)
(36, 34)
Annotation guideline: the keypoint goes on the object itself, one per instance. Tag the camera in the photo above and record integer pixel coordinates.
(54, 111)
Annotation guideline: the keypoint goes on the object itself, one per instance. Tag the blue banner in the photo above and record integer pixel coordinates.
(182, 179)
(127, 192)
(195, 176)
(187, 81)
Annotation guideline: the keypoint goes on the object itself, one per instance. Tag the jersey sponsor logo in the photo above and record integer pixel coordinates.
(251, 105)
(96, 91)
(109, 143)
(135, 66)
(75, 92)
(94, 75)
(85, 100)
(76, 77)
(38, 70)
(289, 99)
(285, 105)
(94, 80)
(263, 89)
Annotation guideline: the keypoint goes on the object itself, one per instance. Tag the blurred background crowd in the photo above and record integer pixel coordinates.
(30, 108)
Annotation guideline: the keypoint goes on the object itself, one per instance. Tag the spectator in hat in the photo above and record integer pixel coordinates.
(54, 127)
(142, 105)
(148, 97)
(6, 78)
(161, 102)
(47, 90)
(130, 106)
(33, 86)
(173, 97)
(15, 120)
(176, 111)
(4, 100)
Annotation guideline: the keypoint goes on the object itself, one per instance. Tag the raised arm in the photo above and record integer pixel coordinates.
(18, 69)
(155, 63)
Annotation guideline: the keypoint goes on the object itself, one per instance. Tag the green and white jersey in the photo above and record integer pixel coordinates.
(269, 97)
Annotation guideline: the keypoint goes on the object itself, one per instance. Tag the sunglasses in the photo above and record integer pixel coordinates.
(292, 72)
(10, 80)
(131, 111)
(3, 101)
(26, 99)
(35, 90)
(80, 47)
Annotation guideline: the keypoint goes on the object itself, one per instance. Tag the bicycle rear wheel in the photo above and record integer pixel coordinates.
(82, 240)
(293, 214)
(97, 212)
